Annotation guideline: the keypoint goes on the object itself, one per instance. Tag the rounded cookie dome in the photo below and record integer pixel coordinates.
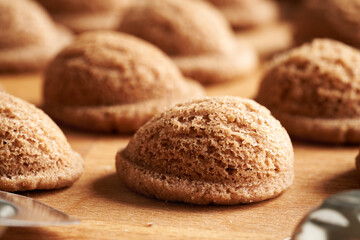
(195, 35)
(319, 80)
(337, 19)
(222, 150)
(28, 37)
(101, 70)
(248, 13)
(179, 27)
(34, 153)
(83, 15)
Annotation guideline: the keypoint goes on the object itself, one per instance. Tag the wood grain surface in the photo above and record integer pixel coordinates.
(108, 210)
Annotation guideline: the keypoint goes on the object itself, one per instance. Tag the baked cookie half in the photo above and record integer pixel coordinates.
(337, 19)
(28, 37)
(34, 153)
(112, 82)
(84, 15)
(195, 35)
(243, 14)
(314, 90)
(218, 150)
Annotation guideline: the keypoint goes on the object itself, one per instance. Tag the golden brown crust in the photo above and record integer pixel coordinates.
(337, 19)
(236, 154)
(34, 153)
(24, 50)
(248, 13)
(194, 34)
(314, 91)
(83, 15)
(108, 81)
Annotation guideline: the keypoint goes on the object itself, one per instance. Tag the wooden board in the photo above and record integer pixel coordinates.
(108, 210)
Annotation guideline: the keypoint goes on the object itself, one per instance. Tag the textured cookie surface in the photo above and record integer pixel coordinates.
(107, 81)
(337, 19)
(34, 153)
(83, 15)
(28, 37)
(195, 34)
(248, 13)
(317, 81)
(222, 150)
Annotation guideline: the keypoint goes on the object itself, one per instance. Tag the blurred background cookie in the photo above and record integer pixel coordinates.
(109, 81)
(243, 14)
(259, 22)
(195, 35)
(221, 150)
(34, 153)
(28, 37)
(83, 15)
(336, 19)
(314, 91)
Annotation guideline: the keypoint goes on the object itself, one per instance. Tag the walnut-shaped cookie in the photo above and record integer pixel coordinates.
(220, 150)
(244, 14)
(34, 153)
(112, 82)
(28, 36)
(195, 35)
(84, 15)
(314, 90)
(335, 19)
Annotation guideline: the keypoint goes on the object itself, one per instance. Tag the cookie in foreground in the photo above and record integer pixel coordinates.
(195, 35)
(34, 153)
(28, 37)
(112, 82)
(218, 150)
(314, 91)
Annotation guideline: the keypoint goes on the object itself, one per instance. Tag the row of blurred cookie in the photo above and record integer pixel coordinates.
(193, 33)
(223, 150)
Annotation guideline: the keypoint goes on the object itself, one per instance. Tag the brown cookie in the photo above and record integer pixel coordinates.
(221, 150)
(109, 81)
(336, 19)
(248, 13)
(314, 91)
(28, 37)
(34, 153)
(357, 162)
(84, 15)
(195, 35)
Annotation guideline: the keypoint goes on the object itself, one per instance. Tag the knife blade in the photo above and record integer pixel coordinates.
(20, 211)
(337, 218)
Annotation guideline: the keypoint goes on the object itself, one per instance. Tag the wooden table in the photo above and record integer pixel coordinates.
(108, 210)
